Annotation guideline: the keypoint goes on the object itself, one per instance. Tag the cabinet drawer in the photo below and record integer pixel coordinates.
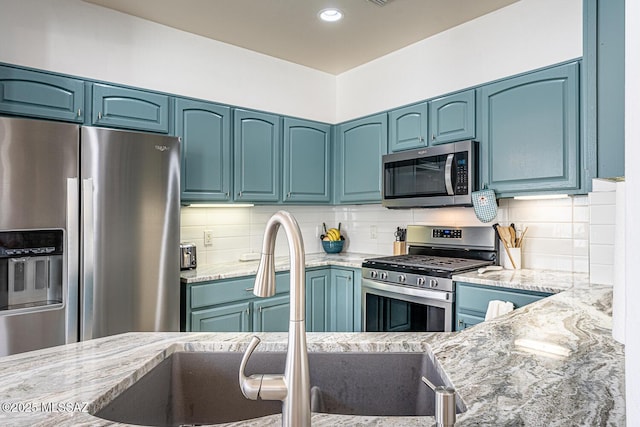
(223, 291)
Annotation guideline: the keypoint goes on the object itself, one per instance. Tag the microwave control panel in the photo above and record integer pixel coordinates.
(461, 174)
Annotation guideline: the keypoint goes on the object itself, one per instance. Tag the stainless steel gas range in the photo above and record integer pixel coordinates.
(415, 292)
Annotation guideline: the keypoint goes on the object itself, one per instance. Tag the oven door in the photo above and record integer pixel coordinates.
(395, 308)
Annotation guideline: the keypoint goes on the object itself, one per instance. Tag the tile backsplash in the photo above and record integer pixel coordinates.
(557, 239)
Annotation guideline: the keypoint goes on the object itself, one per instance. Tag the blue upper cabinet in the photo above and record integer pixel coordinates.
(205, 129)
(120, 107)
(408, 127)
(307, 167)
(360, 145)
(257, 152)
(530, 132)
(41, 95)
(453, 117)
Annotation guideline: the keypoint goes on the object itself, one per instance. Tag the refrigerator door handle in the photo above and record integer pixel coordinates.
(86, 325)
(73, 255)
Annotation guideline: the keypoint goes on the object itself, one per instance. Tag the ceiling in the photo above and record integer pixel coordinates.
(291, 30)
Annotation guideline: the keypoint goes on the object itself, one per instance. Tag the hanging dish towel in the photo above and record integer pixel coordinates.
(498, 308)
(485, 205)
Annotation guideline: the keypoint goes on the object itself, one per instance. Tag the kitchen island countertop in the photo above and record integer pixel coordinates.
(552, 362)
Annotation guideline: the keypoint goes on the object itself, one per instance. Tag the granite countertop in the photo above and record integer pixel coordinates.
(552, 362)
(230, 270)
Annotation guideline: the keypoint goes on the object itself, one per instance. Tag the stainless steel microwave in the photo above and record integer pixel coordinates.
(442, 175)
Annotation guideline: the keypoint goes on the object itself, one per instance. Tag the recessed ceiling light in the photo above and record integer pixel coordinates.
(330, 15)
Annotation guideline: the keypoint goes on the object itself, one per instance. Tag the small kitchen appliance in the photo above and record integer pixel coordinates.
(188, 260)
(442, 175)
(415, 292)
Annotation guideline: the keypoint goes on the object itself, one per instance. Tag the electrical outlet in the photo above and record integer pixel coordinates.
(208, 238)
(373, 232)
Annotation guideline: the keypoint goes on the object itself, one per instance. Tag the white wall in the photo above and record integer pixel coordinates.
(558, 236)
(78, 38)
(526, 35)
(632, 153)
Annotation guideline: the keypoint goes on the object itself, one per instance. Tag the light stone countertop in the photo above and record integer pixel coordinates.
(551, 363)
(230, 270)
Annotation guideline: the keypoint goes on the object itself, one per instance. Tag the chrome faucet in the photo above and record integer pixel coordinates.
(445, 411)
(292, 388)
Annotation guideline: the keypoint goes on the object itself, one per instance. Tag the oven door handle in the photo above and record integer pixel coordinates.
(406, 290)
(448, 167)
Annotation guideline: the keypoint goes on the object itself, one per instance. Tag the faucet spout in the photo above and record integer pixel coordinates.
(292, 388)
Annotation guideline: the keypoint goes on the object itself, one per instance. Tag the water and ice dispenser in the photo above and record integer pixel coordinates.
(31, 268)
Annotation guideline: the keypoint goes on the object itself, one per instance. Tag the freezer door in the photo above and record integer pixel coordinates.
(38, 191)
(130, 232)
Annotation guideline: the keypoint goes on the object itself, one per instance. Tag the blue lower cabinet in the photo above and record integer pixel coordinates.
(317, 300)
(333, 300)
(227, 318)
(530, 132)
(472, 301)
(344, 293)
(271, 314)
(41, 95)
(125, 108)
(230, 306)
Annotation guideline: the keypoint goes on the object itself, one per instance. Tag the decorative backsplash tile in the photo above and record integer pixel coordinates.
(557, 239)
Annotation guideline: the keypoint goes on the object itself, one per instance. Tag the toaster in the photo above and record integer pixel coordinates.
(188, 259)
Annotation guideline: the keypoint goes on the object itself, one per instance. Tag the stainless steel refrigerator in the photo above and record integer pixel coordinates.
(89, 233)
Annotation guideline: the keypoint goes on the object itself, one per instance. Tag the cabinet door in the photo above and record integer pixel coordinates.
(317, 304)
(256, 144)
(408, 127)
(41, 95)
(342, 301)
(530, 139)
(125, 108)
(472, 301)
(205, 150)
(453, 117)
(360, 146)
(271, 314)
(306, 161)
(225, 318)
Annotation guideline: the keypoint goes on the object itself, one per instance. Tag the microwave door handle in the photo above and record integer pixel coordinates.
(448, 166)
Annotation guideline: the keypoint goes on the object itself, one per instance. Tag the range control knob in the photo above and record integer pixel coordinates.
(374, 274)
(421, 281)
(433, 283)
(402, 278)
(383, 276)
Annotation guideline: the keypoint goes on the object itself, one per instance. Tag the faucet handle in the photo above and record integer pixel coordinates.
(445, 411)
(250, 386)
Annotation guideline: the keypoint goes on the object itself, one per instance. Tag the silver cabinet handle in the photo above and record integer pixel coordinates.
(433, 136)
(99, 115)
(240, 194)
(79, 112)
(226, 194)
(248, 290)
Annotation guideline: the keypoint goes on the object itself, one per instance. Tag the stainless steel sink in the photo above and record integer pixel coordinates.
(202, 388)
